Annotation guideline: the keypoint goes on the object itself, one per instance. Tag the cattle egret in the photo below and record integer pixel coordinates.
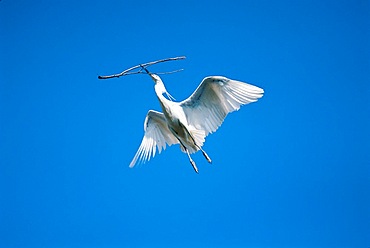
(187, 123)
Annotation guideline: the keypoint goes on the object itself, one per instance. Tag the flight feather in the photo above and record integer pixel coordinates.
(157, 136)
(214, 98)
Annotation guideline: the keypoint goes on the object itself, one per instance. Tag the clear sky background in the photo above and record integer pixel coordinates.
(291, 170)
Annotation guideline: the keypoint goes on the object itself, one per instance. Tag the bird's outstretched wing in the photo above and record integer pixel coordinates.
(214, 98)
(157, 135)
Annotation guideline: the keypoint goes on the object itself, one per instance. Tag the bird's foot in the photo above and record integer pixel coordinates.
(207, 157)
(194, 166)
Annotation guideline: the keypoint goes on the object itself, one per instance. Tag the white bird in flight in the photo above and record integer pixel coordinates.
(188, 122)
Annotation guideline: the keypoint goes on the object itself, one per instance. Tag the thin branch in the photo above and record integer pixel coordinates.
(168, 72)
(129, 71)
(144, 72)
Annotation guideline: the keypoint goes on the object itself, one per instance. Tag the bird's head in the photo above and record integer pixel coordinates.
(155, 78)
(159, 85)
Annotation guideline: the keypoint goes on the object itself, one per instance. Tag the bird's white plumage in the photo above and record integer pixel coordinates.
(157, 135)
(214, 98)
(188, 122)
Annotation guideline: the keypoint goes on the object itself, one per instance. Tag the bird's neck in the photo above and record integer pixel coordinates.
(160, 90)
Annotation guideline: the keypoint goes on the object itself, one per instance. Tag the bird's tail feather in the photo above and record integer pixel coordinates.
(199, 138)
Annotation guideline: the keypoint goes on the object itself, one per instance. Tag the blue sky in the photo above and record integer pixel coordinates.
(291, 170)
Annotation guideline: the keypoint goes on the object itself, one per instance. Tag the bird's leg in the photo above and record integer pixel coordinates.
(206, 156)
(200, 148)
(186, 150)
(191, 161)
